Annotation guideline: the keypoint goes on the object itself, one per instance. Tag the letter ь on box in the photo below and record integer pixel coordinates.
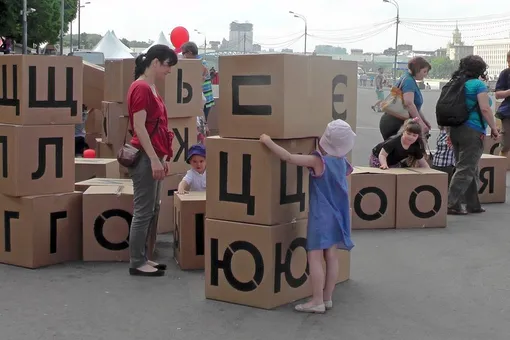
(38, 90)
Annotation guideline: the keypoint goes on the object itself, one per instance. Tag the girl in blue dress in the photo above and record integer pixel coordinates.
(329, 215)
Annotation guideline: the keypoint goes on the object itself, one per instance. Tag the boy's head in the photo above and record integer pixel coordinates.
(196, 158)
(338, 139)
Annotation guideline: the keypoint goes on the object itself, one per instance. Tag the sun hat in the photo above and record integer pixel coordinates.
(338, 139)
(196, 150)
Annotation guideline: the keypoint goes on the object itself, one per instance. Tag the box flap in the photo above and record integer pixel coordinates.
(94, 160)
(192, 196)
(106, 181)
(360, 170)
(489, 156)
(110, 190)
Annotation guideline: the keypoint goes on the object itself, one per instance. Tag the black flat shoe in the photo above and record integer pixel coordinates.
(452, 211)
(160, 266)
(138, 272)
(476, 211)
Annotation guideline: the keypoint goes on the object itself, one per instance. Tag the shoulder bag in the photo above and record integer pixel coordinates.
(394, 102)
(128, 156)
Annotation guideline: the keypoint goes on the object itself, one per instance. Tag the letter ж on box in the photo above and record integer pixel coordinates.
(285, 96)
(41, 90)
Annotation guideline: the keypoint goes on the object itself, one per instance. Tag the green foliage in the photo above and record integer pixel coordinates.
(43, 24)
(442, 67)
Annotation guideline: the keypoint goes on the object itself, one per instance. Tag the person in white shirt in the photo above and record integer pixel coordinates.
(195, 177)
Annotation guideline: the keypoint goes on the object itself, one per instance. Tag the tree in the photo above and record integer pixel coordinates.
(43, 24)
(442, 67)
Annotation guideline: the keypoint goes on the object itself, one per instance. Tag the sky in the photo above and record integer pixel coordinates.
(351, 24)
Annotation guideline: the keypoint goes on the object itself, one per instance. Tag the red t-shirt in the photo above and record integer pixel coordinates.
(140, 97)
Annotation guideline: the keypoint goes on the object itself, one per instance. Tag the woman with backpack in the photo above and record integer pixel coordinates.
(467, 137)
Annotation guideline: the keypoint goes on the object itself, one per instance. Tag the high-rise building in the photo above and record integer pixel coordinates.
(493, 52)
(456, 50)
(240, 37)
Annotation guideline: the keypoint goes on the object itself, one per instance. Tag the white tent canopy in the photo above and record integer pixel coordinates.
(162, 40)
(112, 47)
(127, 49)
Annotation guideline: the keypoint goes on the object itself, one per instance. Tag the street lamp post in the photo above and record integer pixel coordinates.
(205, 41)
(79, 21)
(25, 30)
(395, 3)
(302, 17)
(62, 10)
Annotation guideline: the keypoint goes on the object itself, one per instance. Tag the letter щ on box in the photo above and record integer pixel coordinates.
(285, 96)
(39, 90)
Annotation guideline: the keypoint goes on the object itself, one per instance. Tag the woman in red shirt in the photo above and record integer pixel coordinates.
(149, 123)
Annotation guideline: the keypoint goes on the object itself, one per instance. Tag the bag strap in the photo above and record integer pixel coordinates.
(150, 135)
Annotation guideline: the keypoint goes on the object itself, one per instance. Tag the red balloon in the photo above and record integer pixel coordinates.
(179, 36)
(89, 153)
(178, 50)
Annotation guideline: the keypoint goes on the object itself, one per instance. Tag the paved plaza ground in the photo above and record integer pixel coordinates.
(433, 284)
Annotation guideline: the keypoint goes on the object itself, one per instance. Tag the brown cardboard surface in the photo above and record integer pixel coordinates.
(212, 118)
(373, 198)
(87, 168)
(93, 85)
(118, 76)
(110, 132)
(123, 133)
(166, 213)
(40, 231)
(94, 122)
(185, 135)
(84, 185)
(248, 183)
(182, 89)
(493, 147)
(492, 174)
(36, 160)
(189, 217)
(41, 90)
(284, 95)
(108, 211)
(422, 198)
(259, 266)
(91, 140)
(104, 150)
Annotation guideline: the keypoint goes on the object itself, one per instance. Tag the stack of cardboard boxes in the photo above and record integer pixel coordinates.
(257, 205)
(41, 100)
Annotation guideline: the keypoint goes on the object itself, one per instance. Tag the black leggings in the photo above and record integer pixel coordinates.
(389, 125)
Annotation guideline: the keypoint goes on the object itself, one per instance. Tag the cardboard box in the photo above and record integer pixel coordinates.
(248, 183)
(182, 89)
(189, 217)
(106, 222)
(422, 198)
(104, 150)
(123, 133)
(493, 147)
(112, 112)
(36, 160)
(41, 90)
(265, 93)
(94, 122)
(93, 85)
(91, 140)
(259, 266)
(87, 168)
(373, 198)
(118, 77)
(39, 231)
(84, 185)
(185, 135)
(212, 119)
(492, 174)
(169, 185)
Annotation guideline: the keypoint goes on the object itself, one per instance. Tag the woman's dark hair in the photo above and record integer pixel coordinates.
(417, 64)
(190, 47)
(162, 53)
(471, 67)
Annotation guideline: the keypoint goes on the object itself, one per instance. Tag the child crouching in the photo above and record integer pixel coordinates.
(195, 179)
(328, 218)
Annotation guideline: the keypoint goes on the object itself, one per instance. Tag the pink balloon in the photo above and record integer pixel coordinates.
(179, 36)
